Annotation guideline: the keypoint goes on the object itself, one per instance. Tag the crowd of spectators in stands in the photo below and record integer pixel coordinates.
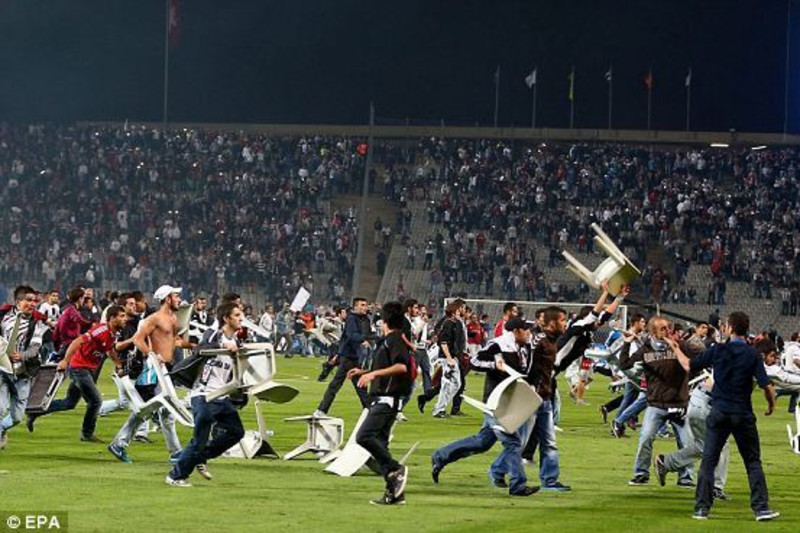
(133, 206)
(500, 205)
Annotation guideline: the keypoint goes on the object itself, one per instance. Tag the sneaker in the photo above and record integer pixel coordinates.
(177, 482)
(458, 413)
(720, 495)
(92, 438)
(499, 482)
(686, 484)
(401, 417)
(639, 479)
(388, 499)
(397, 481)
(144, 439)
(119, 452)
(202, 469)
(527, 491)
(557, 487)
(664, 435)
(558, 429)
(661, 470)
(766, 514)
(604, 414)
(435, 471)
(440, 415)
(29, 422)
(421, 401)
(617, 429)
(700, 514)
(320, 414)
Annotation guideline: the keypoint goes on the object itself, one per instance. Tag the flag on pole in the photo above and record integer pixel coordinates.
(572, 85)
(688, 82)
(530, 79)
(648, 80)
(609, 74)
(174, 23)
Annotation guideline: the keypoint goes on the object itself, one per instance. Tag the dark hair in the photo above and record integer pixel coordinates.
(452, 307)
(112, 295)
(508, 307)
(408, 304)
(539, 313)
(21, 291)
(338, 309)
(552, 313)
(739, 323)
(225, 310)
(795, 336)
(358, 299)
(75, 294)
(765, 346)
(585, 310)
(125, 296)
(635, 317)
(114, 310)
(230, 297)
(392, 314)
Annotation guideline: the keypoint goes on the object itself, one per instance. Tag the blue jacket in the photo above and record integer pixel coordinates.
(356, 331)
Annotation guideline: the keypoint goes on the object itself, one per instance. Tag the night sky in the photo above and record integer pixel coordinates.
(322, 61)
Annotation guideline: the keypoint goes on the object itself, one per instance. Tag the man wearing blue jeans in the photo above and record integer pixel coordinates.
(667, 394)
(511, 349)
(220, 412)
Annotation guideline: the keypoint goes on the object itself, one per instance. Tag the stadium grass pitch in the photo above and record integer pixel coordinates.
(51, 471)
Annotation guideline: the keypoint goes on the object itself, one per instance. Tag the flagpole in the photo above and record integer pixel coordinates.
(496, 94)
(610, 94)
(688, 99)
(535, 86)
(572, 99)
(786, 91)
(166, 67)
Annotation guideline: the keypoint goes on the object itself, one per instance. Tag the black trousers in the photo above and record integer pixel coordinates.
(719, 426)
(613, 404)
(336, 383)
(373, 436)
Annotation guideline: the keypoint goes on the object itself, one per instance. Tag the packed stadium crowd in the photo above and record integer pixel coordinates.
(125, 205)
(497, 205)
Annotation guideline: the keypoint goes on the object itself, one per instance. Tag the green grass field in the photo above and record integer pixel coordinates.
(51, 470)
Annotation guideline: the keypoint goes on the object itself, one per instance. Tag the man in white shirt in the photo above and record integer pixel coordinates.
(50, 307)
(216, 373)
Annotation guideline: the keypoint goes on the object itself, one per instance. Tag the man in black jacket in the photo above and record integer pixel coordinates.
(389, 381)
(354, 343)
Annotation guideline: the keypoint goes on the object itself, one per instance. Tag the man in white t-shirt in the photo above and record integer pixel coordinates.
(220, 412)
(50, 307)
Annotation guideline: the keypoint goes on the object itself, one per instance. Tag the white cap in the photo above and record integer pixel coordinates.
(165, 290)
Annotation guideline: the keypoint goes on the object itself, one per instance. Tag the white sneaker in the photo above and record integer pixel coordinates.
(320, 414)
(177, 482)
(558, 429)
(401, 417)
(202, 469)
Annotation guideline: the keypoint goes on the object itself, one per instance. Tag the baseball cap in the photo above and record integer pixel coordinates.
(165, 290)
(517, 323)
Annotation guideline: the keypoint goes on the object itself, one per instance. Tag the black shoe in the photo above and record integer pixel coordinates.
(527, 491)
(388, 499)
(435, 471)
(459, 412)
(499, 482)
(144, 439)
(661, 470)
(441, 415)
(397, 481)
(29, 422)
(92, 438)
(686, 484)
(700, 514)
(326, 371)
(766, 514)
(639, 479)
(421, 401)
(617, 429)
(720, 495)
(604, 414)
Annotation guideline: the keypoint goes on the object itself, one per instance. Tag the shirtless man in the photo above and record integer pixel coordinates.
(158, 333)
